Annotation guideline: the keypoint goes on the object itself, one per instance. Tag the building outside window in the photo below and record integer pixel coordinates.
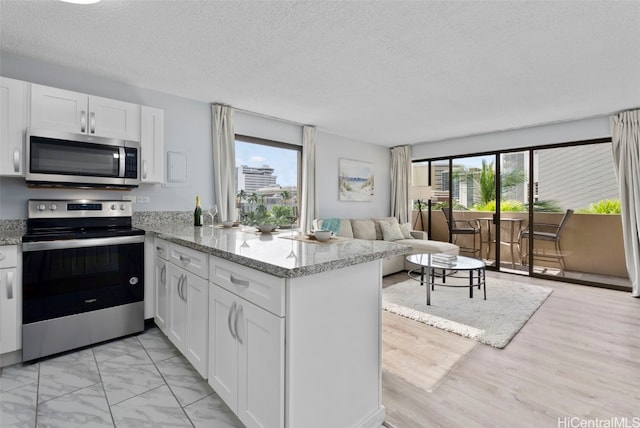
(268, 173)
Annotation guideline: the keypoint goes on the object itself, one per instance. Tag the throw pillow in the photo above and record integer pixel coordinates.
(391, 231)
(380, 220)
(405, 228)
(332, 224)
(363, 229)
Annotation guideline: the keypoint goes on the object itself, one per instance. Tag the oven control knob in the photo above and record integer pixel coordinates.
(114, 207)
(53, 207)
(41, 207)
(122, 207)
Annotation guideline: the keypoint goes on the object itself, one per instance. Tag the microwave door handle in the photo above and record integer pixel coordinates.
(122, 161)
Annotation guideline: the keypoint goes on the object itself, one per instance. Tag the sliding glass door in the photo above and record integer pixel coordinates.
(550, 211)
(577, 230)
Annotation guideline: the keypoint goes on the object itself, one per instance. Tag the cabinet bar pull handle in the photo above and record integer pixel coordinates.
(83, 121)
(180, 286)
(185, 259)
(239, 315)
(92, 122)
(144, 169)
(10, 286)
(236, 281)
(163, 275)
(231, 311)
(185, 284)
(184, 295)
(16, 160)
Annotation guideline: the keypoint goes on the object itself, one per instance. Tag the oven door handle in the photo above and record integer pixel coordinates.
(81, 243)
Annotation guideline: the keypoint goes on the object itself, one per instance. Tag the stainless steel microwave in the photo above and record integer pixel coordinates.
(57, 158)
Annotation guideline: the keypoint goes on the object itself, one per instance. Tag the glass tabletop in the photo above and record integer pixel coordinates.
(432, 261)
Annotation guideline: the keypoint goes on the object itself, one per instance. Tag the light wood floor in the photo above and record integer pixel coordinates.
(578, 356)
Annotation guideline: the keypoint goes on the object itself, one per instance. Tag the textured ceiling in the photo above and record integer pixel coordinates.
(378, 71)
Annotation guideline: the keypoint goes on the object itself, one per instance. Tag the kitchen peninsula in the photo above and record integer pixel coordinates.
(292, 329)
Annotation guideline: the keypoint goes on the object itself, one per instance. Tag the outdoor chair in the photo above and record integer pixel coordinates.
(545, 232)
(464, 227)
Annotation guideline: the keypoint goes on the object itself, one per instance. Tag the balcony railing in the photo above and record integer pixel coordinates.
(590, 243)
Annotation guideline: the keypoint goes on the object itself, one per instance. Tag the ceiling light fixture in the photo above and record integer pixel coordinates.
(81, 1)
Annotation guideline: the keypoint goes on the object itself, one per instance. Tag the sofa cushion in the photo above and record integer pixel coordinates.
(377, 221)
(405, 228)
(344, 230)
(427, 246)
(391, 231)
(364, 229)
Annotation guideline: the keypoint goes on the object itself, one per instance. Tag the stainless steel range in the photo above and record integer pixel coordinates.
(83, 275)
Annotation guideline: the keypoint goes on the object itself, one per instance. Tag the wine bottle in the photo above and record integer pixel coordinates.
(197, 213)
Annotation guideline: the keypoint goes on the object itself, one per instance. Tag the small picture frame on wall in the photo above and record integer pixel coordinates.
(355, 181)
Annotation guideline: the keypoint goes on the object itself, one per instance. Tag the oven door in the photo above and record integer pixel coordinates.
(61, 278)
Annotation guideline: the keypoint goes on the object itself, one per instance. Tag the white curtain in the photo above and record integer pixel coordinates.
(625, 135)
(308, 201)
(224, 161)
(400, 182)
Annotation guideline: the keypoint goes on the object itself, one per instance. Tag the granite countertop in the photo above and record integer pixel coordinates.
(11, 231)
(273, 253)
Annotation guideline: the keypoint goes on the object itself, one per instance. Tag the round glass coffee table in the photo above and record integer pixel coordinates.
(430, 264)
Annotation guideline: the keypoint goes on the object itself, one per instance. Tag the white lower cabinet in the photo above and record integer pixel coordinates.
(182, 300)
(246, 358)
(162, 293)
(10, 300)
(161, 301)
(188, 316)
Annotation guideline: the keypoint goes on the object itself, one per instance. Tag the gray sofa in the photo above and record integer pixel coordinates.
(374, 229)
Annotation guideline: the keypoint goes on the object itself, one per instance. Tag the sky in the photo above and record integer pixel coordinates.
(282, 160)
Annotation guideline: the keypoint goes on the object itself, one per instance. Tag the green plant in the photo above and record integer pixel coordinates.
(604, 206)
(545, 206)
(485, 179)
(505, 206)
(281, 214)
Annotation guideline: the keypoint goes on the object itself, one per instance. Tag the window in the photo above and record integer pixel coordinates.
(268, 174)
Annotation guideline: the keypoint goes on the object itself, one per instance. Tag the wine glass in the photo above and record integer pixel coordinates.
(292, 217)
(213, 212)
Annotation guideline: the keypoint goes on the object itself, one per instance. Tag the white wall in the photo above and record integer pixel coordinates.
(188, 130)
(329, 149)
(578, 130)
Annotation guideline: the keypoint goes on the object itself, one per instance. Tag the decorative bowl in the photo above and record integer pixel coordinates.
(227, 223)
(322, 235)
(267, 228)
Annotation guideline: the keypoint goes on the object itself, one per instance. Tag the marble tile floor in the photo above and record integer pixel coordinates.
(138, 381)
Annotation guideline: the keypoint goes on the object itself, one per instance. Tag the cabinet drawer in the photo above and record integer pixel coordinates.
(262, 289)
(192, 260)
(8, 256)
(161, 248)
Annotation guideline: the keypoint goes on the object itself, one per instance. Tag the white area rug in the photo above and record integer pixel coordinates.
(494, 321)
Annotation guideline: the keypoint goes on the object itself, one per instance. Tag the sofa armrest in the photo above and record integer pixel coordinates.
(419, 234)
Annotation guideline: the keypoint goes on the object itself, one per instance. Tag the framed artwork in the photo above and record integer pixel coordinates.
(355, 181)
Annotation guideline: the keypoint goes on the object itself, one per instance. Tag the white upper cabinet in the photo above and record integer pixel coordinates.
(62, 110)
(13, 122)
(152, 144)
